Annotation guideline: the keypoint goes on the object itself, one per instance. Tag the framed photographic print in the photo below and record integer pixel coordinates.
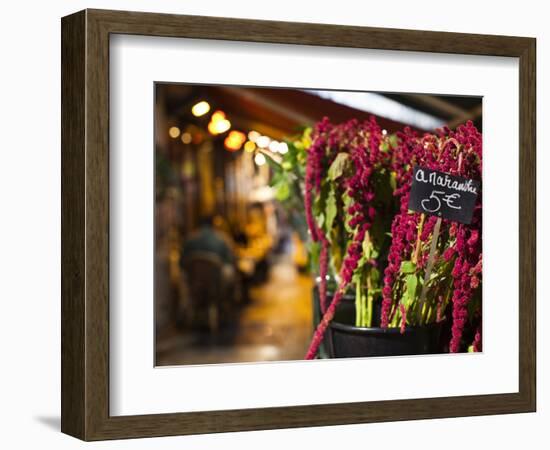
(268, 224)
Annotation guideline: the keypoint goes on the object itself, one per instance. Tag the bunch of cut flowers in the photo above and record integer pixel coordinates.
(353, 182)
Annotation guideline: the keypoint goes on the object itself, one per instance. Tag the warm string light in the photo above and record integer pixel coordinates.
(174, 132)
(278, 147)
(259, 159)
(249, 146)
(200, 108)
(283, 148)
(256, 140)
(186, 137)
(253, 136)
(218, 123)
(263, 141)
(234, 140)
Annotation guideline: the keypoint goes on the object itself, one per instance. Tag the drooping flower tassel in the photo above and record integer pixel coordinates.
(477, 339)
(403, 318)
(349, 265)
(323, 270)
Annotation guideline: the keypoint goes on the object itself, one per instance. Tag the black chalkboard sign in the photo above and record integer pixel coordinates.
(443, 195)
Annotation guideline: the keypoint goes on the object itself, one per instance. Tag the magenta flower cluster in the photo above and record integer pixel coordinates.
(457, 152)
(460, 153)
(361, 141)
(317, 161)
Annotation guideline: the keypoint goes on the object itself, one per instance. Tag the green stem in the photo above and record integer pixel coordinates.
(369, 310)
(358, 306)
(424, 315)
(428, 318)
(364, 309)
(396, 317)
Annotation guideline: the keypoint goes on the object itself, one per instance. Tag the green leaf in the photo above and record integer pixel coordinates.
(411, 282)
(408, 267)
(338, 166)
(282, 191)
(393, 140)
(346, 199)
(330, 210)
(367, 247)
(320, 218)
(375, 278)
(276, 179)
(314, 251)
(320, 201)
(276, 166)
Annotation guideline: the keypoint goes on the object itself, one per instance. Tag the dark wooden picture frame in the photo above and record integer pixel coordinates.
(85, 224)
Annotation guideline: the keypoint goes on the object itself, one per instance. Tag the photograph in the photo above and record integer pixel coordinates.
(305, 224)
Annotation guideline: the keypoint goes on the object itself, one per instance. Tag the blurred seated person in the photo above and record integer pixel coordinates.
(211, 277)
(207, 239)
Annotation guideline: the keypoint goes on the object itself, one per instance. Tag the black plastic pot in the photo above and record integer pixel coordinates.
(344, 340)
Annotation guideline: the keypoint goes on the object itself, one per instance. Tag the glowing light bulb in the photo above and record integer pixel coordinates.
(223, 126)
(259, 159)
(249, 146)
(219, 127)
(283, 148)
(253, 136)
(218, 115)
(174, 132)
(263, 142)
(186, 138)
(200, 109)
(274, 146)
(234, 140)
(218, 123)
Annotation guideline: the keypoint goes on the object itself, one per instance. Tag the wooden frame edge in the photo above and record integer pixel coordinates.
(85, 228)
(73, 268)
(527, 224)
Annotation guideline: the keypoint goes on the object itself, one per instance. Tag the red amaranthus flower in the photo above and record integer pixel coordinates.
(316, 163)
(361, 141)
(460, 153)
(456, 152)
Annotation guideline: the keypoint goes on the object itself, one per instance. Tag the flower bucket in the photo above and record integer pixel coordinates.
(344, 340)
(347, 304)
